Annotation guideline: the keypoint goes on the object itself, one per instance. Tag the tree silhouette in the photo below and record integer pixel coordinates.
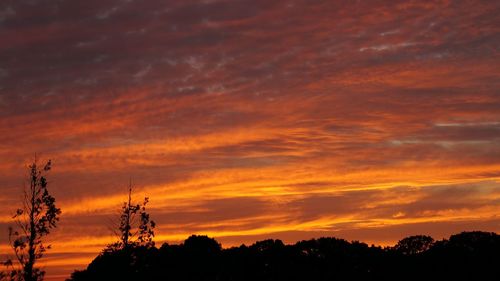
(135, 228)
(413, 245)
(466, 256)
(37, 217)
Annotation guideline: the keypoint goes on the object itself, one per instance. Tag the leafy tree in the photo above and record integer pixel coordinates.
(37, 217)
(135, 227)
(413, 245)
(206, 245)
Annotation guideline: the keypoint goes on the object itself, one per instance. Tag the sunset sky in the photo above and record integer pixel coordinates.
(253, 119)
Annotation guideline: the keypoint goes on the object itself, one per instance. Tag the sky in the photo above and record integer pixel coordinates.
(252, 119)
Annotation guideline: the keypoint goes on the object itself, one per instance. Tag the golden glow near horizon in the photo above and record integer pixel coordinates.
(248, 120)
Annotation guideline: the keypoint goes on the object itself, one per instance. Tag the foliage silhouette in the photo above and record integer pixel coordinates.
(465, 256)
(414, 244)
(37, 217)
(135, 227)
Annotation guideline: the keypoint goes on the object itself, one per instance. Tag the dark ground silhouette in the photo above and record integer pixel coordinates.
(464, 256)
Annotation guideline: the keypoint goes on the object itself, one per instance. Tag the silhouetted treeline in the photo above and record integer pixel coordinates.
(464, 256)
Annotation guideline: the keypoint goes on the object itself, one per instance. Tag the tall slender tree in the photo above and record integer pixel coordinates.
(135, 227)
(35, 220)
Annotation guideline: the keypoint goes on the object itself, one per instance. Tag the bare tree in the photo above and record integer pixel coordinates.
(37, 217)
(135, 228)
